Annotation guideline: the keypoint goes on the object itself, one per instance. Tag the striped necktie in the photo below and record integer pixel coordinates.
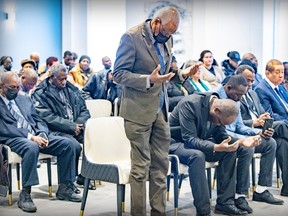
(162, 72)
(21, 121)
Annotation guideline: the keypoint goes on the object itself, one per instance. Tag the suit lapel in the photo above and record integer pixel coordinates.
(275, 95)
(5, 112)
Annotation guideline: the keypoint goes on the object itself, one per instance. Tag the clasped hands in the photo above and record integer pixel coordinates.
(41, 140)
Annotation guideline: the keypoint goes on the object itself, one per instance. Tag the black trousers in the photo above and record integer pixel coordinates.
(61, 147)
(195, 159)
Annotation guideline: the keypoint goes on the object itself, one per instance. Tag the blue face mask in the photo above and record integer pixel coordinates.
(160, 38)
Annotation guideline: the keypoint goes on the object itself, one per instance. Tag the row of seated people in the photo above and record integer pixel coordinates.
(94, 85)
(52, 121)
(227, 123)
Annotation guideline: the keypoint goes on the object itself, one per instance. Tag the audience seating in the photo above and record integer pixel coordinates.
(14, 158)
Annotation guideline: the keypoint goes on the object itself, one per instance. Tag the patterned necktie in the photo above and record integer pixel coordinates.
(21, 121)
(280, 95)
(251, 105)
(162, 71)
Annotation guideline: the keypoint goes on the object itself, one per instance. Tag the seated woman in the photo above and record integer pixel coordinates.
(211, 72)
(79, 75)
(195, 83)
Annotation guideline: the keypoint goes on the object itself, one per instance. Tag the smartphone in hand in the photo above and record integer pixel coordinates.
(267, 124)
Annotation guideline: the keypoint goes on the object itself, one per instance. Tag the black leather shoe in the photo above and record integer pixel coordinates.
(65, 192)
(241, 203)
(203, 214)
(25, 202)
(80, 181)
(267, 197)
(229, 210)
(284, 190)
(75, 189)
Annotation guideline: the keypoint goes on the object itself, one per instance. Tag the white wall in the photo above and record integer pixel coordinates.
(257, 26)
(106, 22)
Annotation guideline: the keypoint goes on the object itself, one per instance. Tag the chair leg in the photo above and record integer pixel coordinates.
(84, 197)
(278, 173)
(181, 177)
(253, 174)
(10, 185)
(18, 175)
(119, 199)
(214, 179)
(48, 161)
(123, 198)
(209, 183)
(176, 193)
(168, 187)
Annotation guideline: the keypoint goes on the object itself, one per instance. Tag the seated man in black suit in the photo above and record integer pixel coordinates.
(202, 119)
(254, 115)
(27, 135)
(61, 106)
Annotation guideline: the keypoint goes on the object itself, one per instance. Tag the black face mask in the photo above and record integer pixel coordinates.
(160, 38)
(8, 67)
(11, 93)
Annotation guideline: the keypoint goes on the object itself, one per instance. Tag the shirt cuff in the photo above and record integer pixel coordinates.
(148, 84)
(29, 136)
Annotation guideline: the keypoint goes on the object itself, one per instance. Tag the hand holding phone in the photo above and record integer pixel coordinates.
(267, 124)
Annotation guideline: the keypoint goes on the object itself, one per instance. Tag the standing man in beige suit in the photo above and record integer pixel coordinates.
(142, 67)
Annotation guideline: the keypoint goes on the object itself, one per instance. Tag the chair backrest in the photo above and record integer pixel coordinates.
(106, 141)
(99, 107)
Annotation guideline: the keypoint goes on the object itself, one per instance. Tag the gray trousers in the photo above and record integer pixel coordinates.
(149, 161)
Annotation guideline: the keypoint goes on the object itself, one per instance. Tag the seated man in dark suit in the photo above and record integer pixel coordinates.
(234, 89)
(273, 96)
(27, 135)
(61, 106)
(253, 115)
(202, 118)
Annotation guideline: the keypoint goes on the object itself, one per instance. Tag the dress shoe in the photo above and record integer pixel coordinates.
(65, 192)
(267, 197)
(25, 202)
(242, 204)
(75, 189)
(284, 190)
(80, 181)
(38, 164)
(203, 214)
(229, 210)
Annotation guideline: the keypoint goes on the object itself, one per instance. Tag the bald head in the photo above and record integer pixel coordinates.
(9, 85)
(28, 79)
(223, 111)
(169, 15)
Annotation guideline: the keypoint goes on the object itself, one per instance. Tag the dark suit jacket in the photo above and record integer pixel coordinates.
(271, 102)
(8, 123)
(192, 114)
(136, 58)
(245, 113)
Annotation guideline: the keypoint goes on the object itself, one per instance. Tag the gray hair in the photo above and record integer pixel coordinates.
(168, 14)
(4, 77)
(57, 68)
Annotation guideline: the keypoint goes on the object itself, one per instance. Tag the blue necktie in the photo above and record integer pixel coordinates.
(162, 71)
(21, 121)
(280, 95)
